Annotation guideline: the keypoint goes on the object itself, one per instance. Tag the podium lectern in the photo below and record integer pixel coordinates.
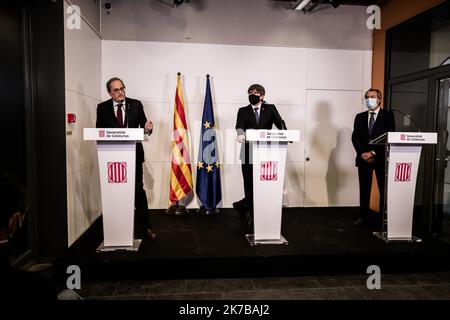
(116, 150)
(402, 163)
(269, 150)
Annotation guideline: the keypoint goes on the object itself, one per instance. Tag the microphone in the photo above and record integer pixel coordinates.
(408, 117)
(274, 110)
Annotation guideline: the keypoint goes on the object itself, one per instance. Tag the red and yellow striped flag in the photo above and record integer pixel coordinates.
(181, 173)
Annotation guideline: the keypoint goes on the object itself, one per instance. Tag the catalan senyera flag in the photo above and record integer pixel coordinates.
(181, 174)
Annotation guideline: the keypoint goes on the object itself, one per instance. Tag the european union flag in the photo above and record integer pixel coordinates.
(208, 186)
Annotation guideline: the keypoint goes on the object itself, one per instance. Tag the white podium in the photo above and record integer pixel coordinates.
(269, 150)
(116, 150)
(403, 151)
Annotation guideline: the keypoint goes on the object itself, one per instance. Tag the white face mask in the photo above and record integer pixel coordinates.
(371, 103)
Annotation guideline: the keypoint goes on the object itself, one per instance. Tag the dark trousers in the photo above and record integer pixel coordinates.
(141, 212)
(247, 174)
(365, 185)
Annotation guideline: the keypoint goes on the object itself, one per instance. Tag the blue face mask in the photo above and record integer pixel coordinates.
(371, 103)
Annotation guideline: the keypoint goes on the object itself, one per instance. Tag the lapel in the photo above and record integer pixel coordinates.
(252, 116)
(111, 113)
(364, 124)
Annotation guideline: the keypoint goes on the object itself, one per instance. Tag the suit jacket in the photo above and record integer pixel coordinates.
(385, 122)
(134, 118)
(246, 119)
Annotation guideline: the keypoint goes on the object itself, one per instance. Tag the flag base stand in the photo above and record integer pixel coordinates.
(177, 210)
(207, 212)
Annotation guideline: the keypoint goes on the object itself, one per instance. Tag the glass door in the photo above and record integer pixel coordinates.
(442, 202)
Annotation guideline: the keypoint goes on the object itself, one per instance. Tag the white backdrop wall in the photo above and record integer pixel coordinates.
(83, 79)
(317, 91)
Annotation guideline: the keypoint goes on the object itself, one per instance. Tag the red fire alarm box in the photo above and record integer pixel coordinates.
(71, 118)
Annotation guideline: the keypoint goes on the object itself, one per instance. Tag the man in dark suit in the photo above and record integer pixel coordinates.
(257, 115)
(370, 125)
(123, 112)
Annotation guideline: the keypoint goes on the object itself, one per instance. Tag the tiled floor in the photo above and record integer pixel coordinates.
(424, 286)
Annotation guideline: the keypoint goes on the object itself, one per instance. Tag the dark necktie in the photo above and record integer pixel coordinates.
(257, 114)
(119, 115)
(371, 122)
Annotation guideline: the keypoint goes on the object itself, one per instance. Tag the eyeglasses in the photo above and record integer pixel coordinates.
(119, 90)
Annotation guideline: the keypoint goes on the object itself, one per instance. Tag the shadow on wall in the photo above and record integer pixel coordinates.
(294, 182)
(158, 142)
(149, 183)
(324, 134)
(338, 177)
(323, 140)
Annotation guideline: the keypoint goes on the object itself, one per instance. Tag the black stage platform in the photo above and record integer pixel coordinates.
(321, 241)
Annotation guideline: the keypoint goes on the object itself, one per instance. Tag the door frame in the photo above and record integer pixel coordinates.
(441, 126)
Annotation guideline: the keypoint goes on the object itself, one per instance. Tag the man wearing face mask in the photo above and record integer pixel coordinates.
(370, 125)
(257, 115)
